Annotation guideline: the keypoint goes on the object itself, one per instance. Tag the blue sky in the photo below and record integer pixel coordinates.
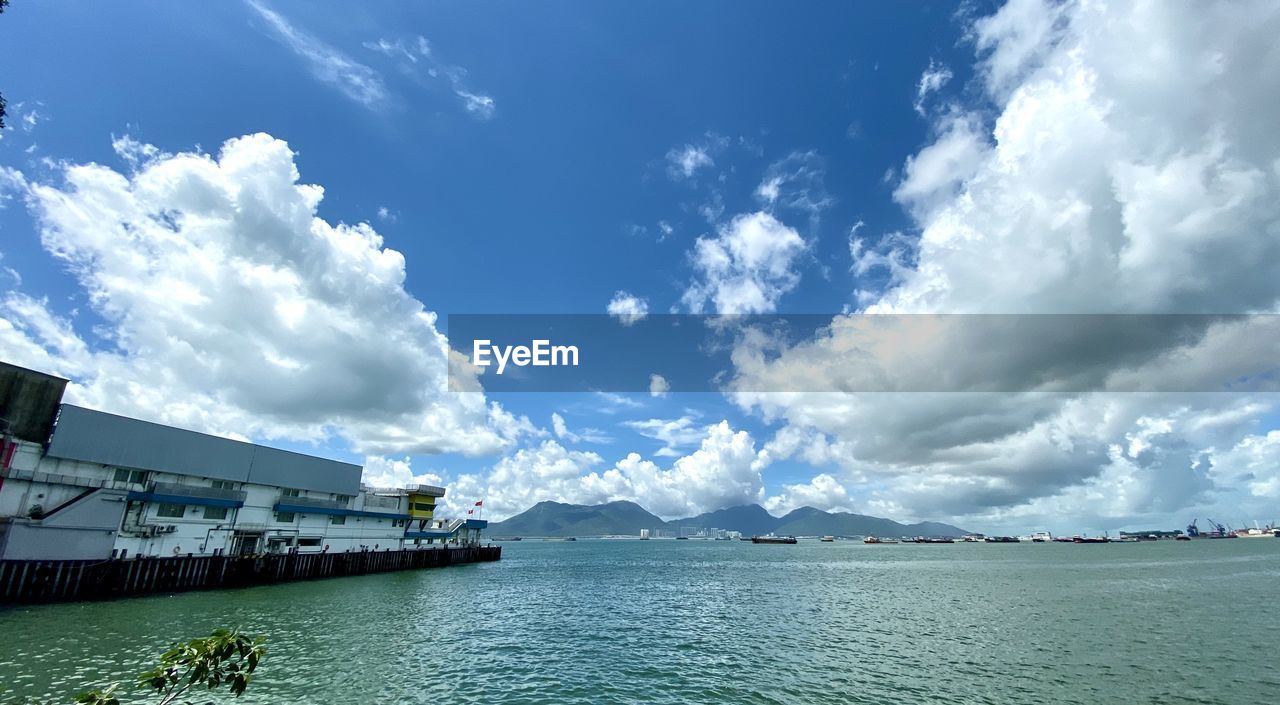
(527, 159)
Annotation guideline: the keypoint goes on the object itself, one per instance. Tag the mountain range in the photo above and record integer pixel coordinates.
(628, 518)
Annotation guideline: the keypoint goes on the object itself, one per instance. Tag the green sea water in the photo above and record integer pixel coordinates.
(719, 622)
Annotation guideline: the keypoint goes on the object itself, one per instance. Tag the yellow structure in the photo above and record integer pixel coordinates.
(422, 501)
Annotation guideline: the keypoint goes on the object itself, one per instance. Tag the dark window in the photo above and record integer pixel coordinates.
(215, 512)
(137, 477)
(173, 511)
(285, 517)
(338, 519)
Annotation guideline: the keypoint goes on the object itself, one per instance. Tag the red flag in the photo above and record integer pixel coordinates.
(480, 503)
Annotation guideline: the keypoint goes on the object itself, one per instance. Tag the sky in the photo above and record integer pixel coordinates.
(253, 219)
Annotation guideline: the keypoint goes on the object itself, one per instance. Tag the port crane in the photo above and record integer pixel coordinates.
(1215, 528)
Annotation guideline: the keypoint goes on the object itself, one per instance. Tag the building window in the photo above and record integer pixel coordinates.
(224, 485)
(286, 492)
(172, 511)
(285, 517)
(344, 498)
(338, 519)
(305, 541)
(215, 513)
(423, 507)
(136, 477)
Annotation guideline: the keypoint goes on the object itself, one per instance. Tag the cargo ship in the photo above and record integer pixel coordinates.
(873, 539)
(773, 539)
(1217, 532)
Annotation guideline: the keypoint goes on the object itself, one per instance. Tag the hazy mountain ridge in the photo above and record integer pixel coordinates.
(557, 519)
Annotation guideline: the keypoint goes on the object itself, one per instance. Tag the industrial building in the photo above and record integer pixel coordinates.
(80, 484)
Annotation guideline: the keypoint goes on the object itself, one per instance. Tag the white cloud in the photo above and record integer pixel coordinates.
(1131, 167)
(674, 433)
(746, 267)
(932, 175)
(658, 385)
(477, 104)
(330, 65)
(721, 472)
(561, 429)
(931, 81)
(585, 435)
(684, 162)
(769, 189)
(12, 182)
(796, 182)
(627, 308)
(380, 471)
(822, 492)
(418, 61)
(228, 306)
(666, 229)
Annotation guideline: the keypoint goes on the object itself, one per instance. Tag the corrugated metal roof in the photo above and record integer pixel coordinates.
(99, 437)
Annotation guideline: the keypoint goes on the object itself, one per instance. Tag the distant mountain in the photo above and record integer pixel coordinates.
(807, 521)
(628, 518)
(558, 519)
(750, 519)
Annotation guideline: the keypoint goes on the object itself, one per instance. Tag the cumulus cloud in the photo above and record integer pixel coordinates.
(658, 385)
(327, 63)
(746, 266)
(227, 305)
(822, 492)
(722, 471)
(627, 308)
(1130, 167)
(381, 471)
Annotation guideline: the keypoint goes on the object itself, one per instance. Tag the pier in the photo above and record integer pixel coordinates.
(38, 581)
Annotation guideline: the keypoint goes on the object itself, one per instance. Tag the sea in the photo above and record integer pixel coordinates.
(664, 621)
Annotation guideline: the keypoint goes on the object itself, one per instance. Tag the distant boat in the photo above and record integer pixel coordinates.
(682, 538)
(1258, 532)
(827, 539)
(933, 539)
(571, 538)
(873, 539)
(1000, 539)
(773, 539)
(1090, 539)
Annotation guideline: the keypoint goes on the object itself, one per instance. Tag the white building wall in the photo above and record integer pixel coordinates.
(37, 481)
